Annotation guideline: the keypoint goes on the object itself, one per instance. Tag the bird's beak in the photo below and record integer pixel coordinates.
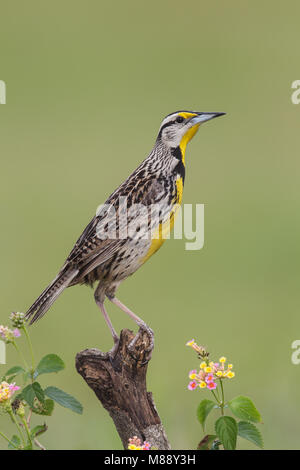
(203, 117)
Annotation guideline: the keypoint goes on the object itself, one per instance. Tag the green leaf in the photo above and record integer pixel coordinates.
(64, 399)
(49, 363)
(39, 393)
(14, 442)
(13, 372)
(207, 442)
(31, 392)
(243, 408)
(45, 408)
(227, 429)
(28, 394)
(251, 433)
(38, 430)
(203, 410)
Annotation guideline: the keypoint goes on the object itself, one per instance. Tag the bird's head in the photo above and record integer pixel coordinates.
(177, 129)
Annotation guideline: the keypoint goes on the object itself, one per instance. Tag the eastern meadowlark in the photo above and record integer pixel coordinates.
(157, 182)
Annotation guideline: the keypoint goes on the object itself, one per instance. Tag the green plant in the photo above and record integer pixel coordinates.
(31, 398)
(212, 376)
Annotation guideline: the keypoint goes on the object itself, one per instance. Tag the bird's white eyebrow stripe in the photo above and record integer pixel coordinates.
(167, 124)
(169, 118)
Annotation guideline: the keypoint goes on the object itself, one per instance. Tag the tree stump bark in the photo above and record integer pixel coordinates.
(119, 382)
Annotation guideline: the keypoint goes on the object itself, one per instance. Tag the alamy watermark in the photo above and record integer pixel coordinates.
(296, 94)
(140, 222)
(2, 352)
(2, 92)
(295, 358)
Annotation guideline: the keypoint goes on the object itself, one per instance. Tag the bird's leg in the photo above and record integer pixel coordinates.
(137, 319)
(99, 299)
(107, 319)
(110, 325)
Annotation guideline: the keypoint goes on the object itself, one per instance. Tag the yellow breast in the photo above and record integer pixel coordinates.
(163, 230)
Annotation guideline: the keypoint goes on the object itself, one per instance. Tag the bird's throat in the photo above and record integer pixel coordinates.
(185, 140)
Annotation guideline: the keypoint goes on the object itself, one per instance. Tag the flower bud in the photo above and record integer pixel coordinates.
(17, 319)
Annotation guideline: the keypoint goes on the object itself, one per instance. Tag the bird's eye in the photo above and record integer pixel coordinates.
(179, 119)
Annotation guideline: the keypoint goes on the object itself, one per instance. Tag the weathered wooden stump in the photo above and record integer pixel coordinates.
(119, 382)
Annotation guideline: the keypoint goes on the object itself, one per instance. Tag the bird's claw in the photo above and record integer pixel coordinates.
(131, 347)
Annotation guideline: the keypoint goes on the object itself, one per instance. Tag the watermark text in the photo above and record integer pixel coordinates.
(140, 222)
(296, 94)
(2, 92)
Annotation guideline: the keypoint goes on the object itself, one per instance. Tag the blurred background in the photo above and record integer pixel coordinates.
(88, 84)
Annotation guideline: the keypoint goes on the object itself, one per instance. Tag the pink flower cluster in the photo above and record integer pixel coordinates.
(202, 380)
(9, 335)
(210, 372)
(135, 443)
(7, 390)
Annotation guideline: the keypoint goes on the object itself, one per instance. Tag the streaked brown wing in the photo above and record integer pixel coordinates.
(89, 250)
(89, 244)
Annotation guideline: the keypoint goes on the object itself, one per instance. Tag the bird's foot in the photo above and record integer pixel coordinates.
(143, 327)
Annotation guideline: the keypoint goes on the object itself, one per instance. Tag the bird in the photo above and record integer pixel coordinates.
(125, 233)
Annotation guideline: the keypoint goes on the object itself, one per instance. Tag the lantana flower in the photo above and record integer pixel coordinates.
(199, 349)
(134, 443)
(209, 372)
(7, 390)
(17, 319)
(211, 385)
(9, 335)
(193, 374)
(192, 385)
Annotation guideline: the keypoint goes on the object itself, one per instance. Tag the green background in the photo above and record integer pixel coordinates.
(88, 84)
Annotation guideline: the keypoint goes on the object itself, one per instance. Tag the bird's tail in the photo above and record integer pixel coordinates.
(50, 294)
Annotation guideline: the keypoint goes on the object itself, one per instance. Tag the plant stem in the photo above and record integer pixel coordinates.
(216, 398)
(218, 394)
(21, 355)
(30, 348)
(10, 412)
(27, 430)
(38, 444)
(8, 440)
(29, 417)
(223, 398)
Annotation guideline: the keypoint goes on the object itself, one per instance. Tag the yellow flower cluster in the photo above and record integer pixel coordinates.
(7, 390)
(217, 369)
(209, 371)
(135, 443)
